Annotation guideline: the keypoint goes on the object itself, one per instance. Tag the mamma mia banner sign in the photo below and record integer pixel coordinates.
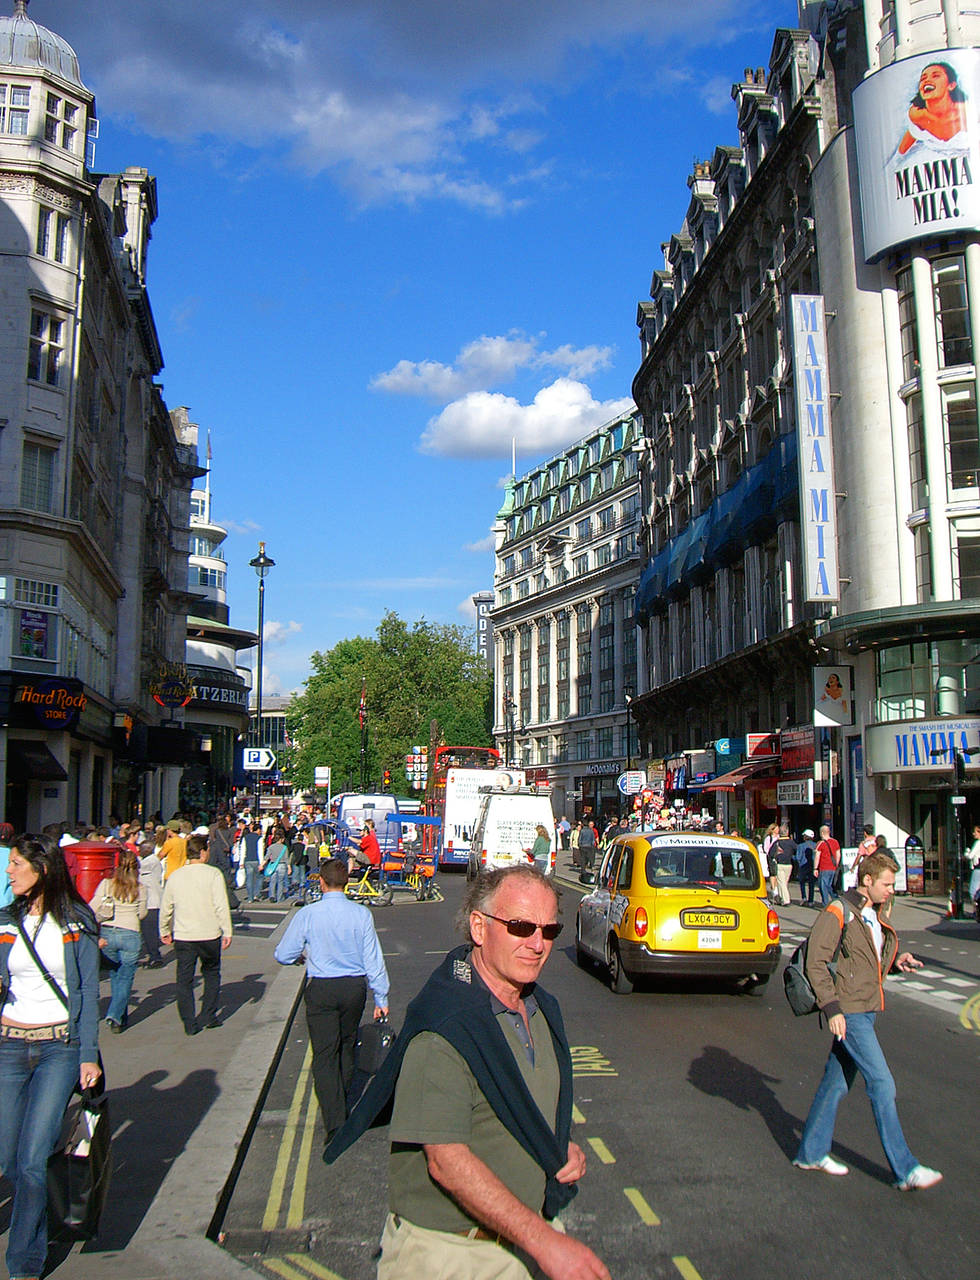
(920, 746)
(818, 497)
(917, 129)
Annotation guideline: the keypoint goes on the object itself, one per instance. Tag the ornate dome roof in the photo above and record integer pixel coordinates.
(27, 45)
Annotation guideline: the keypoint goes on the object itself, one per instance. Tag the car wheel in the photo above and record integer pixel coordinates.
(619, 980)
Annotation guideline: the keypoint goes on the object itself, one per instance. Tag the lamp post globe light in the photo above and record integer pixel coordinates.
(261, 564)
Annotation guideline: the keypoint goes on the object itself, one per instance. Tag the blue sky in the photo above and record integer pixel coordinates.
(391, 238)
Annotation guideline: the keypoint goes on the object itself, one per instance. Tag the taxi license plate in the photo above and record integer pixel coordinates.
(709, 940)
(708, 919)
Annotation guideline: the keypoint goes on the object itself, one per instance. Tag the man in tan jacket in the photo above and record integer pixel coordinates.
(196, 918)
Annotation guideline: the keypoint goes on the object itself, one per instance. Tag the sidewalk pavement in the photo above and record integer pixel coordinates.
(180, 1108)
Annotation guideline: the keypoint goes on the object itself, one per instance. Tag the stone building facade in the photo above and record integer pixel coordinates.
(94, 478)
(741, 652)
(564, 638)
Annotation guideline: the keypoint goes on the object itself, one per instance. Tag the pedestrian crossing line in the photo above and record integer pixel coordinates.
(278, 1185)
(970, 1014)
(601, 1150)
(281, 1268)
(297, 1198)
(636, 1199)
(313, 1268)
(686, 1267)
(577, 1117)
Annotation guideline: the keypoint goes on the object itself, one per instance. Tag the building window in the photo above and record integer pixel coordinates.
(606, 520)
(46, 348)
(544, 705)
(561, 748)
(606, 617)
(509, 564)
(30, 591)
(580, 566)
(563, 626)
(626, 546)
(583, 529)
(968, 567)
(523, 589)
(607, 693)
(583, 749)
(584, 655)
(917, 453)
(629, 654)
(44, 219)
(903, 678)
(15, 102)
(563, 702)
(585, 697)
(505, 594)
(527, 555)
(962, 439)
(211, 578)
(952, 311)
(607, 649)
(604, 742)
(37, 478)
(906, 324)
(603, 555)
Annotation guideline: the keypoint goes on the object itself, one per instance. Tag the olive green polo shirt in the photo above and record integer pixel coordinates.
(438, 1100)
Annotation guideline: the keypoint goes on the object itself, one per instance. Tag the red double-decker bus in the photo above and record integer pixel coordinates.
(457, 773)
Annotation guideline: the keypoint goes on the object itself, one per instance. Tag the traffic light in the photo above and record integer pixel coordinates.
(387, 780)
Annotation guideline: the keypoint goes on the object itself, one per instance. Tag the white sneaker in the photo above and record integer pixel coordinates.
(919, 1179)
(828, 1165)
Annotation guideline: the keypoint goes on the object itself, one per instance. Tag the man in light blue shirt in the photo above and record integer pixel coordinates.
(337, 939)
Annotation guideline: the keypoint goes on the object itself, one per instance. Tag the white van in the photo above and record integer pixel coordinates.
(354, 809)
(506, 828)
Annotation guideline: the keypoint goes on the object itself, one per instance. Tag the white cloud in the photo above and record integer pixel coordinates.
(488, 362)
(483, 424)
(482, 545)
(276, 633)
(398, 102)
(467, 610)
(716, 94)
(240, 526)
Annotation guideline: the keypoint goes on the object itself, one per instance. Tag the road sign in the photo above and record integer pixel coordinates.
(321, 775)
(631, 782)
(258, 758)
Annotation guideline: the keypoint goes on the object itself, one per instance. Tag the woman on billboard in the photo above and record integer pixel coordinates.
(936, 113)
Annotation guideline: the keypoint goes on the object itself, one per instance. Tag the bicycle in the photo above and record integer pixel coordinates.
(370, 887)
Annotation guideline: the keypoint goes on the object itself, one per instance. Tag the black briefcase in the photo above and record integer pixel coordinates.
(374, 1041)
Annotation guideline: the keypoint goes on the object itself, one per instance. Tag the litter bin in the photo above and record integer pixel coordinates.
(95, 862)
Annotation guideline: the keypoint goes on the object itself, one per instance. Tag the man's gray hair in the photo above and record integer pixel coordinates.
(483, 890)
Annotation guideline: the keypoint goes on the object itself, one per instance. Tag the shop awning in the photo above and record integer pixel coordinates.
(732, 780)
(32, 762)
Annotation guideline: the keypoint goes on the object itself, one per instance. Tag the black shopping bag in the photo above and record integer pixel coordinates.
(374, 1040)
(79, 1169)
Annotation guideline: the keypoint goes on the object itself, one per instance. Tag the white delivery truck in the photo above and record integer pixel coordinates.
(507, 826)
(461, 807)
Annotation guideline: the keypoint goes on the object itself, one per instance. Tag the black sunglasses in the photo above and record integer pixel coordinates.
(527, 928)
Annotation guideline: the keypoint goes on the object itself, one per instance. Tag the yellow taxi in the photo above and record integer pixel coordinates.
(679, 903)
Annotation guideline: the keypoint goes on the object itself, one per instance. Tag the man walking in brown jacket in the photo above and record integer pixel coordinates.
(850, 1001)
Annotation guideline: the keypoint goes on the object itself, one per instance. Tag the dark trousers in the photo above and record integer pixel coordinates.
(208, 951)
(150, 932)
(333, 1014)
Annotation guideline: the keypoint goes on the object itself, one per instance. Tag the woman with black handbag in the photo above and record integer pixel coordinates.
(49, 1025)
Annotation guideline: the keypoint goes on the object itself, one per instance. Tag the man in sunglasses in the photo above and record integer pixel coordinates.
(481, 1159)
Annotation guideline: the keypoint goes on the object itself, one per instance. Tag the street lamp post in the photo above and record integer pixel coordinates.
(261, 564)
(509, 726)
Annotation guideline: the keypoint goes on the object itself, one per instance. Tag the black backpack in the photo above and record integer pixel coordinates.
(800, 994)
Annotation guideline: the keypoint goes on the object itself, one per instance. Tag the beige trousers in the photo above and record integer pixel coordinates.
(409, 1252)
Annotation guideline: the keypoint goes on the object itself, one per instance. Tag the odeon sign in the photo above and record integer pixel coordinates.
(910, 746)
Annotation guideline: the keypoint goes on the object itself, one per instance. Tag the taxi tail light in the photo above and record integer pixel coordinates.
(640, 922)
(772, 925)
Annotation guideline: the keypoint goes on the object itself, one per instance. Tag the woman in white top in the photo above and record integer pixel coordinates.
(119, 904)
(49, 1028)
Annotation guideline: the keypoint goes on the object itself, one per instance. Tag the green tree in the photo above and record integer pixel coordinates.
(411, 675)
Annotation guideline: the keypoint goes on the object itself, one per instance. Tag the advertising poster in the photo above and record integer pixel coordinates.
(917, 130)
(33, 633)
(833, 696)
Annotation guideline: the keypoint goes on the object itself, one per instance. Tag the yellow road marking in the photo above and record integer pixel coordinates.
(297, 1199)
(601, 1150)
(283, 1269)
(642, 1208)
(313, 1268)
(577, 1117)
(970, 1014)
(687, 1269)
(274, 1203)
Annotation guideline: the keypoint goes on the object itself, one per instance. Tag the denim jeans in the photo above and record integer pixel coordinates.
(253, 881)
(122, 948)
(859, 1051)
(825, 879)
(36, 1081)
(278, 882)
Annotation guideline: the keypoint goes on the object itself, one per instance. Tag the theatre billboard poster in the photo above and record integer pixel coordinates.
(917, 130)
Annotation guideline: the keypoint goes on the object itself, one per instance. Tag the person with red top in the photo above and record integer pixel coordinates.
(828, 861)
(369, 853)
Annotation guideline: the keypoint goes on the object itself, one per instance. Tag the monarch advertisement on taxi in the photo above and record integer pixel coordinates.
(917, 131)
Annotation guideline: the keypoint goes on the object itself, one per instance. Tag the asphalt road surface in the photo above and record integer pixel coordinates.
(689, 1103)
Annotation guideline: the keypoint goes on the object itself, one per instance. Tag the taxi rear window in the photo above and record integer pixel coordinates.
(730, 868)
